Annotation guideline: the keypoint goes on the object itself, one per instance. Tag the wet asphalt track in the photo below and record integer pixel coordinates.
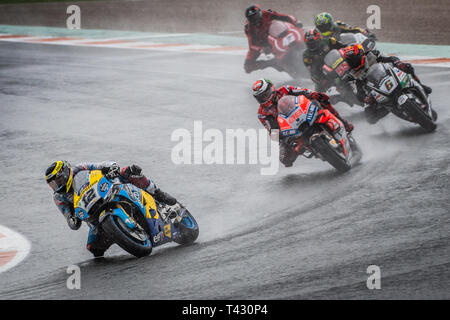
(305, 233)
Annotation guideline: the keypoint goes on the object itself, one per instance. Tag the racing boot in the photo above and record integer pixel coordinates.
(426, 88)
(263, 64)
(98, 242)
(408, 68)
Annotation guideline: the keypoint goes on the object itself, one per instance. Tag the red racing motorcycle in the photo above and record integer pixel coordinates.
(309, 130)
(287, 46)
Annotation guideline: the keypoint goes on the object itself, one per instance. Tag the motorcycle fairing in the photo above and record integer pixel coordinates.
(98, 187)
(304, 111)
(282, 35)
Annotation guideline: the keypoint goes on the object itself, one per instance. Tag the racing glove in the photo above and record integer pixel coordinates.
(132, 172)
(321, 97)
(112, 171)
(407, 67)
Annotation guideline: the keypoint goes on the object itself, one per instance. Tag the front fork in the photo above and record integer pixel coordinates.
(339, 140)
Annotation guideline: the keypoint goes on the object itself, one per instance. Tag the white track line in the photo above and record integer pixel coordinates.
(128, 43)
(13, 248)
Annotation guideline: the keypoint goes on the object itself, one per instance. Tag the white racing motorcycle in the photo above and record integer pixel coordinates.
(399, 93)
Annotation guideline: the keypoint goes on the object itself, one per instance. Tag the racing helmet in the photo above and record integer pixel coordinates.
(253, 14)
(355, 56)
(324, 23)
(59, 176)
(264, 91)
(314, 40)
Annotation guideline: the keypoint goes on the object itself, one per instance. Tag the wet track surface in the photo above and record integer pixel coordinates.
(304, 233)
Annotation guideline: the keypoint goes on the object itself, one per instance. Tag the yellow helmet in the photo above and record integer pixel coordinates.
(59, 175)
(324, 23)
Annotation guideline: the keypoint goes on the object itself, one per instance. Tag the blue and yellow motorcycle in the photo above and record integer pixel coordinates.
(130, 216)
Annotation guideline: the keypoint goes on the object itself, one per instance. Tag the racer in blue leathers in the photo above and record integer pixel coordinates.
(59, 176)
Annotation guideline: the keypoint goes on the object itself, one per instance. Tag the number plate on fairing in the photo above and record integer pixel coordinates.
(89, 198)
(388, 85)
(287, 40)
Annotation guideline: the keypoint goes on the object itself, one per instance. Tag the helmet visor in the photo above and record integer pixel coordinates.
(265, 96)
(255, 18)
(324, 28)
(59, 180)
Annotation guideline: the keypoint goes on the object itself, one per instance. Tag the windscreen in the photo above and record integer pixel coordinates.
(277, 28)
(80, 180)
(348, 38)
(376, 73)
(331, 58)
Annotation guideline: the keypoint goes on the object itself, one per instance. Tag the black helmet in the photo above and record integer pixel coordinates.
(59, 176)
(253, 14)
(314, 40)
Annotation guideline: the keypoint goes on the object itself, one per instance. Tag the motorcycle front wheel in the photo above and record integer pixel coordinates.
(329, 154)
(134, 242)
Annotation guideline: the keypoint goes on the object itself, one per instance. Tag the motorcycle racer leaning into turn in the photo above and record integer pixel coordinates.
(268, 96)
(60, 174)
(257, 31)
(360, 61)
(317, 47)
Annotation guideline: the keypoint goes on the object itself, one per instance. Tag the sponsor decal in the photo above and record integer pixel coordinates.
(389, 85)
(337, 62)
(311, 112)
(104, 186)
(158, 238)
(167, 230)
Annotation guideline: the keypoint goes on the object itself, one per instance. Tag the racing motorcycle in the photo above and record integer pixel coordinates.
(130, 216)
(287, 45)
(337, 70)
(400, 94)
(311, 131)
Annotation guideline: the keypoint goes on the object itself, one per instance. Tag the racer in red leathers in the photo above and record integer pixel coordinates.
(268, 96)
(257, 30)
